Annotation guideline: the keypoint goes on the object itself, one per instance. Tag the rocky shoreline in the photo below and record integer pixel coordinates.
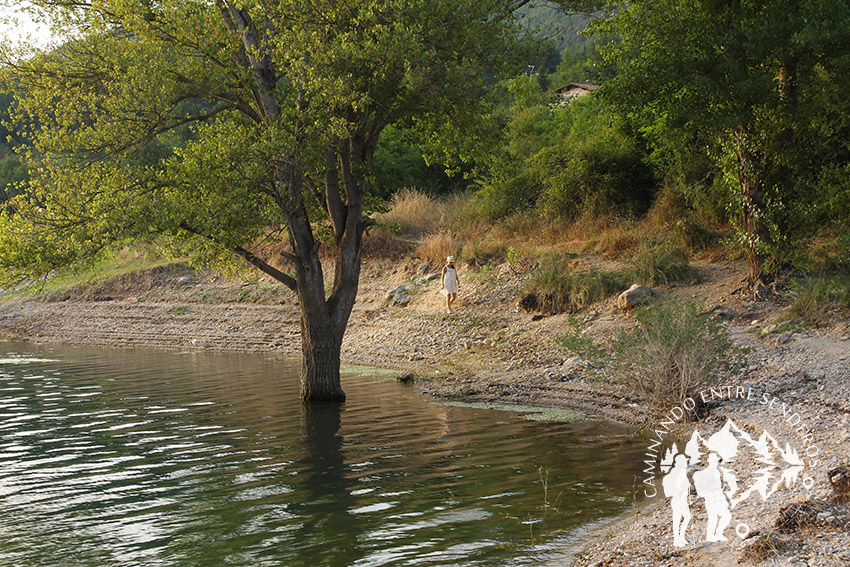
(491, 351)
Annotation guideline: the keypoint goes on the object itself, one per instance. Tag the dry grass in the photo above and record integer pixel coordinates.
(485, 250)
(555, 288)
(821, 299)
(660, 265)
(416, 223)
(413, 213)
(762, 547)
(436, 246)
(429, 227)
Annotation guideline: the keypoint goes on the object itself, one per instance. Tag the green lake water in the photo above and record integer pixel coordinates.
(137, 458)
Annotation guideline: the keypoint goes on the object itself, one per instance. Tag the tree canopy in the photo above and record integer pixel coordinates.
(742, 78)
(282, 105)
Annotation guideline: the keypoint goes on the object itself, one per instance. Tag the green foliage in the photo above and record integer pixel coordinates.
(513, 255)
(399, 163)
(233, 143)
(556, 288)
(821, 299)
(582, 63)
(13, 172)
(566, 161)
(743, 84)
(673, 351)
(507, 192)
(595, 167)
(660, 265)
(576, 341)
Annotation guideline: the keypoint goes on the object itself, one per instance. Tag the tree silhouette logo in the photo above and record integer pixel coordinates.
(725, 469)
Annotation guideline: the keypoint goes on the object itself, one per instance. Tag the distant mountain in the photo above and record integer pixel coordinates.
(548, 20)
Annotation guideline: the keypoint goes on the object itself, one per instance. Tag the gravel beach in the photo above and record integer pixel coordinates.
(490, 350)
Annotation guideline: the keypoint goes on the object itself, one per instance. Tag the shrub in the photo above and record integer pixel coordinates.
(660, 266)
(413, 212)
(594, 175)
(437, 246)
(820, 299)
(595, 165)
(555, 288)
(484, 250)
(576, 341)
(674, 351)
(694, 236)
(506, 194)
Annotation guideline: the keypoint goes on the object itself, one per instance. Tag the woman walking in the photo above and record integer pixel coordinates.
(450, 282)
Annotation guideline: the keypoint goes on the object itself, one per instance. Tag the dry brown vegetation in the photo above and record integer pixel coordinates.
(430, 228)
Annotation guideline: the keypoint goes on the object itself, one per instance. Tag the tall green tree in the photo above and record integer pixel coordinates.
(735, 74)
(294, 96)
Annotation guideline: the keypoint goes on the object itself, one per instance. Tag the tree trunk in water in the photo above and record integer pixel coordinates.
(320, 349)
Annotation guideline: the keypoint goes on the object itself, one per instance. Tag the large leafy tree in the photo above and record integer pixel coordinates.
(286, 102)
(740, 77)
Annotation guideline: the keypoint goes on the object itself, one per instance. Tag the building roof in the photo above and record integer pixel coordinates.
(571, 86)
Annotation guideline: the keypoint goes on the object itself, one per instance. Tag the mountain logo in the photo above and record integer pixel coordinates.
(725, 469)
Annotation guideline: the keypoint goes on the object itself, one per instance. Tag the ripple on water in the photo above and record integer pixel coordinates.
(128, 458)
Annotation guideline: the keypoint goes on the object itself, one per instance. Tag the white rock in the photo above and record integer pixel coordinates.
(635, 295)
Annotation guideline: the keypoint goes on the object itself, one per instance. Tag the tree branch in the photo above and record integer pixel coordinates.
(316, 194)
(252, 259)
(336, 210)
(266, 268)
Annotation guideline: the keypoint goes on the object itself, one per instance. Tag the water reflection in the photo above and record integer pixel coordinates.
(331, 531)
(129, 458)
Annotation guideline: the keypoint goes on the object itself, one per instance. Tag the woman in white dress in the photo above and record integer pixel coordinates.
(450, 282)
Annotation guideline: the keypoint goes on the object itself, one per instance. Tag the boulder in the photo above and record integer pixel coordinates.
(635, 295)
(784, 338)
(839, 478)
(400, 295)
(406, 377)
(529, 302)
(778, 327)
(428, 278)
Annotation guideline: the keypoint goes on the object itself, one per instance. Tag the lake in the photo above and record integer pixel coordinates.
(133, 457)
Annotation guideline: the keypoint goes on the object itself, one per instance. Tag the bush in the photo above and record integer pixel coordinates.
(555, 288)
(412, 212)
(820, 299)
(595, 165)
(601, 174)
(566, 161)
(504, 195)
(674, 351)
(660, 266)
(436, 247)
(485, 250)
(694, 236)
(398, 163)
(576, 341)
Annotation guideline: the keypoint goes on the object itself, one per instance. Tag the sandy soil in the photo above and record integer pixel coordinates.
(490, 350)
